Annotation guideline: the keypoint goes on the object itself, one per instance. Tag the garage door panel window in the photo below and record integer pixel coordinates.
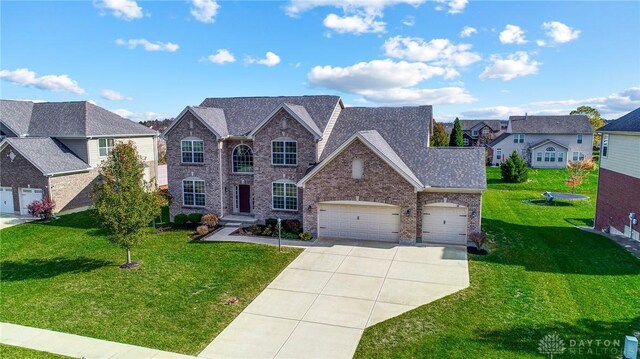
(193, 193)
(284, 196)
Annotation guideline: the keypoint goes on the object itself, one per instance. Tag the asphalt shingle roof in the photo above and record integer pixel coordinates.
(376, 140)
(72, 119)
(214, 118)
(467, 125)
(47, 154)
(452, 167)
(302, 113)
(627, 123)
(243, 114)
(569, 124)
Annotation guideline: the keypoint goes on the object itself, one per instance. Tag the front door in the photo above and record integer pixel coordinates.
(244, 198)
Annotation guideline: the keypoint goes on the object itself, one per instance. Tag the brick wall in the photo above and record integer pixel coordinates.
(265, 173)
(19, 173)
(73, 190)
(380, 183)
(473, 201)
(209, 171)
(618, 195)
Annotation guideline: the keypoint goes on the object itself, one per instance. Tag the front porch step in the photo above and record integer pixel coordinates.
(237, 221)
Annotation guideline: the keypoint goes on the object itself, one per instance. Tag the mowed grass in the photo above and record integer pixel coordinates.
(543, 276)
(11, 352)
(64, 276)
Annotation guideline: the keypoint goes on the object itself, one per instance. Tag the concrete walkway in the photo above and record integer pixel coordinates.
(9, 219)
(319, 306)
(76, 346)
(224, 235)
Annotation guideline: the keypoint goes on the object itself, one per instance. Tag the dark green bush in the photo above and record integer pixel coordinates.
(273, 222)
(195, 218)
(180, 219)
(289, 235)
(292, 225)
(514, 169)
(306, 236)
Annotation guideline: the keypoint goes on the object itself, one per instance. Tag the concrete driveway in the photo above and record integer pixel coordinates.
(321, 303)
(9, 219)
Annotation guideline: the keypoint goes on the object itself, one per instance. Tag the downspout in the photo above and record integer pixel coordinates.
(155, 156)
(220, 145)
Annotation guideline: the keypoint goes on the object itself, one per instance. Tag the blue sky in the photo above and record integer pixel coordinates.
(151, 59)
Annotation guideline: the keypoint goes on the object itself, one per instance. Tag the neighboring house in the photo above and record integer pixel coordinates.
(619, 177)
(343, 172)
(545, 141)
(479, 133)
(55, 149)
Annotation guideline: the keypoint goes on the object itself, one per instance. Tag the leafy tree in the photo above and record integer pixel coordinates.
(456, 139)
(594, 119)
(577, 172)
(125, 203)
(439, 137)
(514, 169)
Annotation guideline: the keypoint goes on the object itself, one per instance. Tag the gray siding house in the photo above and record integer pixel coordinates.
(545, 141)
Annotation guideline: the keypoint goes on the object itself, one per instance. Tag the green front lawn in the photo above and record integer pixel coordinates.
(11, 352)
(543, 276)
(64, 276)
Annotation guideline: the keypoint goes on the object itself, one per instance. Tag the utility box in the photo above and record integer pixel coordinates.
(630, 347)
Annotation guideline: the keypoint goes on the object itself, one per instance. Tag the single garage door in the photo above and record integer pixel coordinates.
(6, 200)
(359, 221)
(446, 225)
(28, 195)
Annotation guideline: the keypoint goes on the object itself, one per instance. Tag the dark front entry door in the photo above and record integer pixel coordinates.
(244, 192)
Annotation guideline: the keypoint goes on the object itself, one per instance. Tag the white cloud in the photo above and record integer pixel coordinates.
(356, 24)
(512, 34)
(438, 51)
(422, 96)
(138, 116)
(148, 45)
(270, 60)
(468, 31)
(205, 10)
(221, 56)
(493, 112)
(507, 68)
(455, 6)
(114, 95)
(409, 21)
(560, 33)
(541, 43)
(124, 9)
(55, 83)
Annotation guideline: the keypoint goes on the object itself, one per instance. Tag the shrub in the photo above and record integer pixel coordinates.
(210, 220)
(268, 231)
(202, 230)
(479, 238)
(306, 236)
(42, 208)
(166, 197)
(254, 229)
(514, 169)
(584, 165)
(273, 222)
(194, 217)
(289, 235)
(180, 219)
(292, 225)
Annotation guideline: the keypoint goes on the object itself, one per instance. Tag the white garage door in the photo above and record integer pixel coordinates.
(28, 195)
(444, 225)
(373, 222)
(6, 200)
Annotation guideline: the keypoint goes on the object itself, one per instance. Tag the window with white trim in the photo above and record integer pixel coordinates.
(518, 138)
(579, 139)
(356, 168)
(605, 145)
(465, 141)
(242, 158)
(474, 133)
(539, 156)
(561, 157)
(284, 152)
(193, 192)
(192, 151)
(499, 154)
(578, 156)
(284, 196)
(105, 145)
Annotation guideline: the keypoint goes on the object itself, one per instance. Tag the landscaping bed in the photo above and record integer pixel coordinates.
(291, 229)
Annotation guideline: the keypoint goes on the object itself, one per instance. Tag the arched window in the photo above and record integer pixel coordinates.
(242, 159)
(356, 168)
(551, 149)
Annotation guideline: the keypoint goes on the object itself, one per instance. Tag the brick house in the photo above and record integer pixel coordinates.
(479, 133)
(545, 141)
(55, 149)
(343, 172)
(619, 177)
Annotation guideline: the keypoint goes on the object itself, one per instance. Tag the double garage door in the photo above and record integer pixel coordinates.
(446, 225)
(27, 195)
(6, 200)
(370, 221)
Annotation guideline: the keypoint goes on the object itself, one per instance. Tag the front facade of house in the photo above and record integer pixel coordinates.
(619, 177)
(343, 172)
(545, 141)
(54, 149)
(479, 133)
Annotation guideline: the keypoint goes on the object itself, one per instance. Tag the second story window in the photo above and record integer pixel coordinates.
(356, 168)
(579, 138)
(105, 145)
(474, 133)
(242, 159)
(192, 151)
(518, 138)
(605, 145)
(284, 152)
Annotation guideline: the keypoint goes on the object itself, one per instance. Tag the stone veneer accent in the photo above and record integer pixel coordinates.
(618, 195)
(209, 171)
(19, 173)
(380, 183)
(74, 190)
(265, 173)
(473, 201)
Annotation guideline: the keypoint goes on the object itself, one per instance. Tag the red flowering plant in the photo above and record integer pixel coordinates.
(42, 208)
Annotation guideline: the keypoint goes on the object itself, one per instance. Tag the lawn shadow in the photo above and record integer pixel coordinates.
(35, 268)
(527, 338)
(543, 202)
(553, 249)
(584, 222)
